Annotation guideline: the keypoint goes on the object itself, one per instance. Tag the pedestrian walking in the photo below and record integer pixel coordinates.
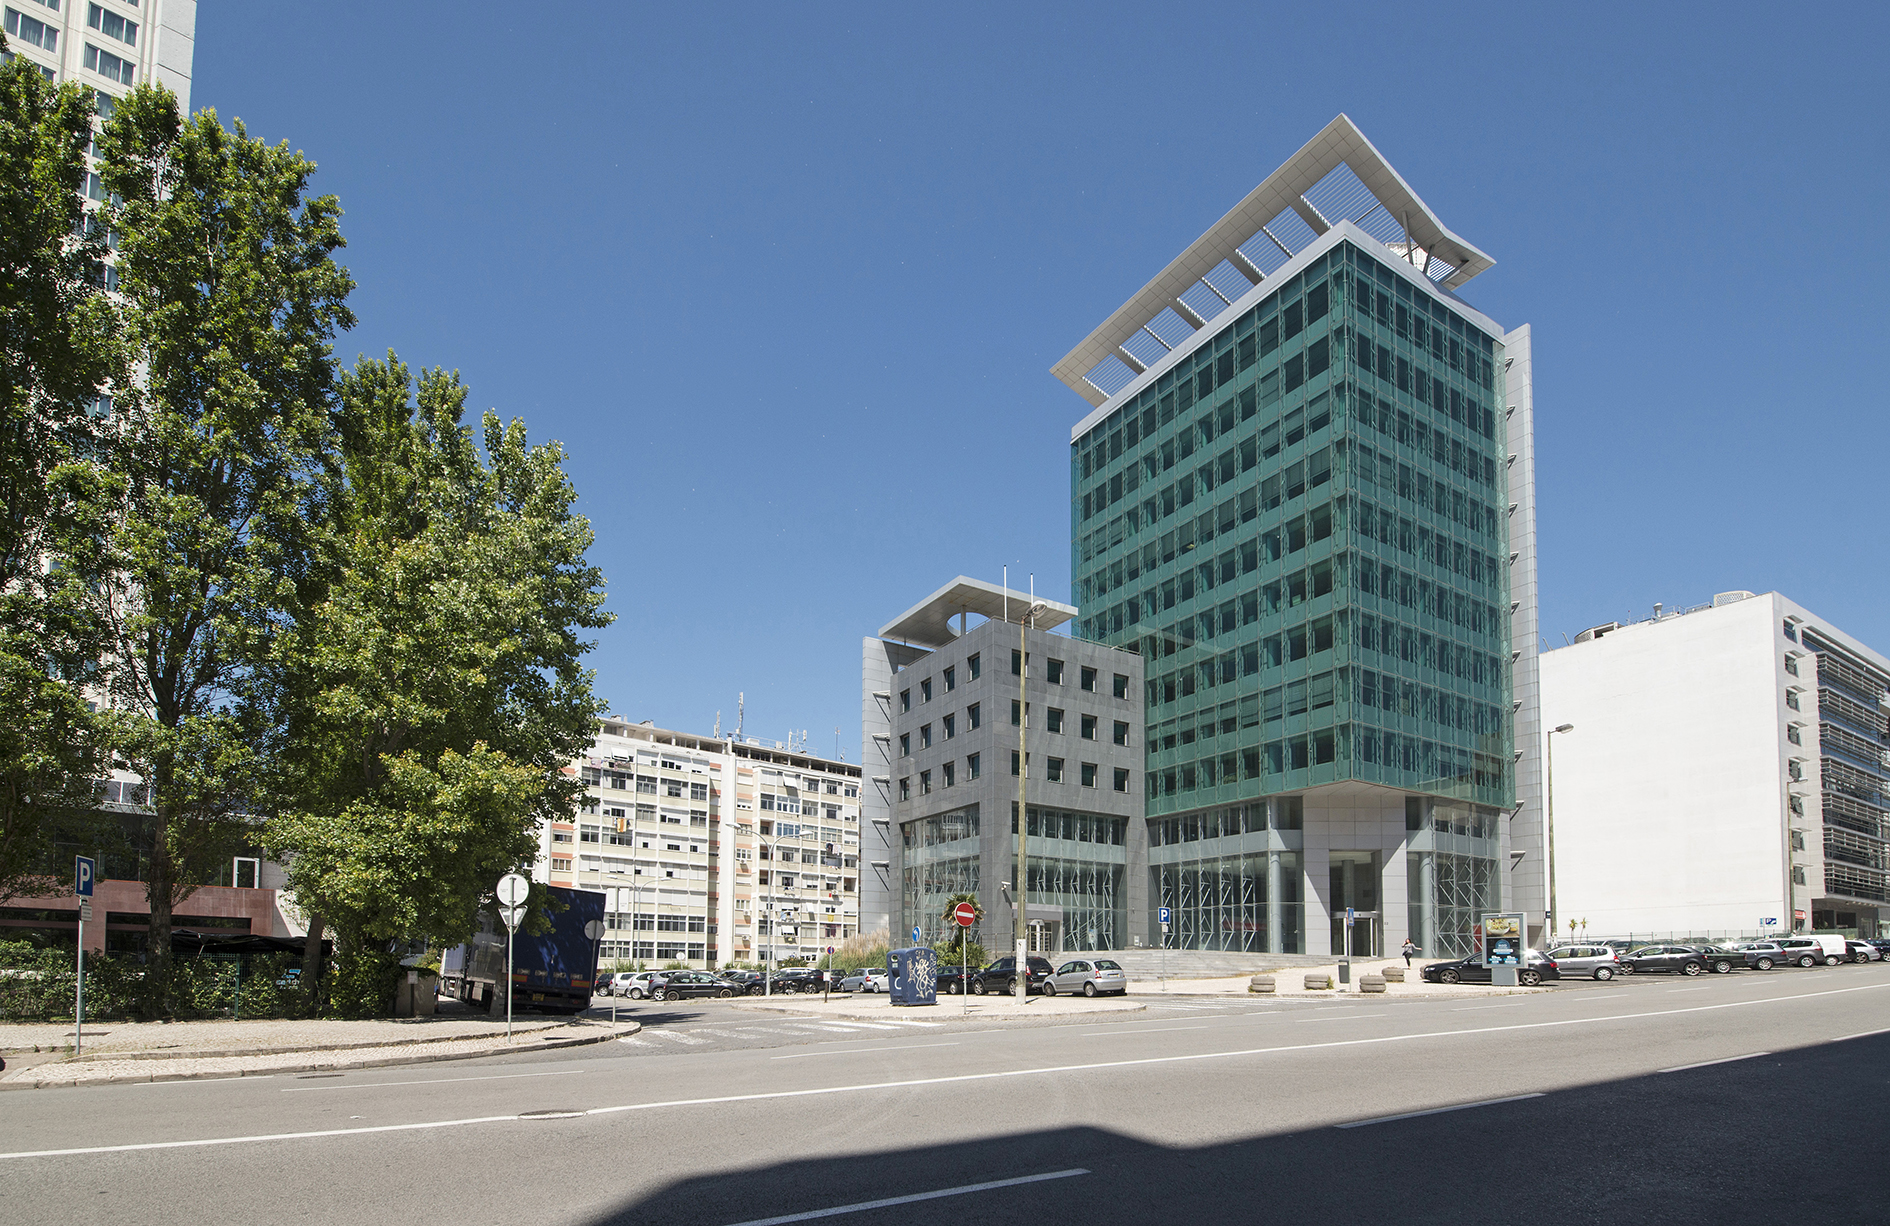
(1409, 949)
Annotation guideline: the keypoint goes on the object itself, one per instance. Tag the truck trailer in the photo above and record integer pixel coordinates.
(552, 973)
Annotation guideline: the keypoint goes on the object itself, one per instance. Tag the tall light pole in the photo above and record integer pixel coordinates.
(1548, 741)
(1021, 935)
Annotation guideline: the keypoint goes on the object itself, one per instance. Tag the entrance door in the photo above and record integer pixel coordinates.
(1353, 882)
(1044, 937)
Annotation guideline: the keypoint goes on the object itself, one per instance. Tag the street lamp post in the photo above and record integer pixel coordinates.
(1549, 773)
(1021, 932)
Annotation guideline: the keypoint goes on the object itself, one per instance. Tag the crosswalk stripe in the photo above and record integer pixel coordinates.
(904, 1021)
(633, 1041)
(674, 1037)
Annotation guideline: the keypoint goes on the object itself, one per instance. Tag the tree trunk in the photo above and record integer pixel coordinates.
(157, 892)
(312, 962)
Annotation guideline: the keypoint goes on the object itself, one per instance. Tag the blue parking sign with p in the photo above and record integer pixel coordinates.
(84, 872)
(1162, 912)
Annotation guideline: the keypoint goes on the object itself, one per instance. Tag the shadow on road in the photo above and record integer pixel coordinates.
(1792, 1137)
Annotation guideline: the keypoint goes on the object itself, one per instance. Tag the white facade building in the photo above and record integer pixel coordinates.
(710, 849)
(1724, 774)
(110, 45)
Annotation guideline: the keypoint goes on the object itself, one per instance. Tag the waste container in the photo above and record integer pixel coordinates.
(912, 976)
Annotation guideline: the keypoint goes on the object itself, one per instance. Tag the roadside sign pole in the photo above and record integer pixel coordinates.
(84, 871)
(508, 983)
(512, 892)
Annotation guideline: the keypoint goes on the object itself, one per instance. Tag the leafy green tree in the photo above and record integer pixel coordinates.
(56, 353)
(951, 949)
(435, 689)
(232, 295)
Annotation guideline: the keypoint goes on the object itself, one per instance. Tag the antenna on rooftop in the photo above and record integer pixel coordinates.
(839, 754)
(740, 701)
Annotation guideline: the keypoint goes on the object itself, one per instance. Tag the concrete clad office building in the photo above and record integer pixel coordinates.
(941, 719)
(1725, 773)
(1305, 497)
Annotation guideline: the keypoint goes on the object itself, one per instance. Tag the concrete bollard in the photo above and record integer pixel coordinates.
(1319, 983)
(1393, 974)
(1371, 983)
(1261, 983)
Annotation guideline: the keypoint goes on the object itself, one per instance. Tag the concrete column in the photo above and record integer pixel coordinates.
(1275, 911)
(1427, 902)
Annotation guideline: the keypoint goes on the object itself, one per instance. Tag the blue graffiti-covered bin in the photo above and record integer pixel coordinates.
(912, 976)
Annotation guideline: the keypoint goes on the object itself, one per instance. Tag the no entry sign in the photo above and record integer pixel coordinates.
(965, 915)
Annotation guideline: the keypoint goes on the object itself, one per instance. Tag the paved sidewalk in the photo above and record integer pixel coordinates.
(866, 1007)
(154, 1051)
(1290, 981)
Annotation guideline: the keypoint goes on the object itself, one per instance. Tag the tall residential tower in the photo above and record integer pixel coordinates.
(1305, 494)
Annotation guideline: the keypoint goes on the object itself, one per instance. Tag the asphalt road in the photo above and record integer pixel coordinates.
(1743, 1098)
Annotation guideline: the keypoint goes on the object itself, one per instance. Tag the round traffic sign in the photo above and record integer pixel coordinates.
(512, 889)
(965, 914)
(593, 930)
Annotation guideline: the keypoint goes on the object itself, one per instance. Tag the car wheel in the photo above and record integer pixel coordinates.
(1604, 973)
(1049, 989)
(636, 993)
(1830, 960)
(658, 995)
(977, 987)
(956, 989)
(1448, 977)
(1807, 961)
(1530, 979)
(725, 993)
(1010, 986)
(1089, 989)
(1722, 967)
(1690, 969)
(1764, 964)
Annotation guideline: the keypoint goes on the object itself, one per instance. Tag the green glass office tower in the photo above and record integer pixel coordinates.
(1304, 515)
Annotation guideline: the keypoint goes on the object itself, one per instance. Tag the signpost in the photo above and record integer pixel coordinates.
(84, 873)
(512, 891)
(1161, 913)
(964, 915)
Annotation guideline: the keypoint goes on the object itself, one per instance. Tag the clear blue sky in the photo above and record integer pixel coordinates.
(787, 279)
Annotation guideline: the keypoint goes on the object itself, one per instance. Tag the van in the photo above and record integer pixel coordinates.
(1834, 946)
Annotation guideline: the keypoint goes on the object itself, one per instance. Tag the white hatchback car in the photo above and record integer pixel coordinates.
(1091, 977)
(634, 984)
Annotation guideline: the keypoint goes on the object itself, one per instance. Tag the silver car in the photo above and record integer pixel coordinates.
(634, 984)
(1593, 961)
(1090, 977)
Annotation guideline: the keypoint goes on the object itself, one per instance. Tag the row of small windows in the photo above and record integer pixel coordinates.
(974, 668)
(974, 718)
(1056, 770)
(1389, 756)
(948, 776)
(1284, 813)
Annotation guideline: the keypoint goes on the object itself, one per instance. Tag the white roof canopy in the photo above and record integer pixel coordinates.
(1338, 175)
(928, 623)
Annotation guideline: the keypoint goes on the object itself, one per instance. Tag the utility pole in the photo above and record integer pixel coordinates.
(1021, 937)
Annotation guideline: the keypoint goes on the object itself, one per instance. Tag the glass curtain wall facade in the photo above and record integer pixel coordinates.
(1077, 862)
(942, 858)
(1231, 877)
(1302, 526)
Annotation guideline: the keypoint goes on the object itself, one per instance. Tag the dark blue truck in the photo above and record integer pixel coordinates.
(551, 973)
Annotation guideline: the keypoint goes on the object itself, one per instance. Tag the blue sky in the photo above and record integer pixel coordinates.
(787, 280)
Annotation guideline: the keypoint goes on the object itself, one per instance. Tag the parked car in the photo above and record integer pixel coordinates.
(1804, 951)
(1761, 955)
(1091, 977)
(791, 979)
(673, 985)
(951, 980)
(1537, 966)
(1863, 951)
(744, 981)
(1001, 976)
(1680, 959)
(1833, 945)
(867, 979)
(634, 984)
(1595, 961)
(601, 987)
(1880, 944)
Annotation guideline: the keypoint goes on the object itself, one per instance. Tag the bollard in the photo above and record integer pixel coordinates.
(1371, 983)
(1261, 983)
(1318, 983)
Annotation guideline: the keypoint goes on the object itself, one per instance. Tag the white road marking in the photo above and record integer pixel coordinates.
(201, 1080)
(862, 1051)
(672, 1036)
(947, 1080)
(1862, 1034)
(633, 1041)
(1473, 1008)
(1686, 989)
(430, 1081)
(907, 1021)
(863, 1206)
(1144, 1030)
(1681, 1068)
(1412, 1115)
(1347, 1018)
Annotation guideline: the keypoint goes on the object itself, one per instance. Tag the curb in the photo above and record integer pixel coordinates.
(917, 1011)
(622, 1030)
(219, 1053)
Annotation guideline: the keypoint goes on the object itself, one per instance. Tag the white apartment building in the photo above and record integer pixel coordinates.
(1723, 772)
(710, 849)
(110, 45)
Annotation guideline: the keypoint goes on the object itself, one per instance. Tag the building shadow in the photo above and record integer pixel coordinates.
(1787, 1138)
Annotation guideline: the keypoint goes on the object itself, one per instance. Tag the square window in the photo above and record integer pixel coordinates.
(971, 766)
(925, 690)
(1088, 680)
(1018, 660)
(973, 668)
(1122, 779)
(1055, 672)
(1016, 716)
(925, 736)
(905, 744)
(1087, 727)
(925, 783)
(1122, 686)
(972, 716)
(1013, 762)
(1089, 774)
(905, 788)
(1122, 732)
(1055, 769)
(951, 680)
(951, 726)
(950, 771)
(905, 701)
(1054, 719)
